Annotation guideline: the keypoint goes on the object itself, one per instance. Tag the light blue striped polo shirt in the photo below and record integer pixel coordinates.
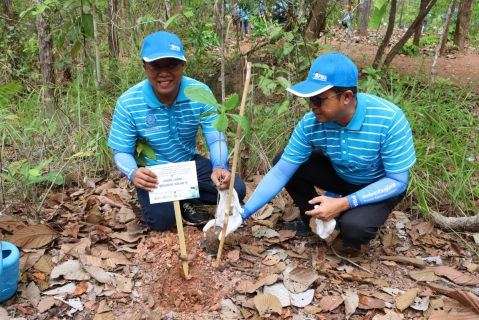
(171, 132)
(377, 139)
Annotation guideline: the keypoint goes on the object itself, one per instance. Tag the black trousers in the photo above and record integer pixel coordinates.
(356, 226)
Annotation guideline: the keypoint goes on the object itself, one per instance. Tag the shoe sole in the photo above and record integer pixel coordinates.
(189, 223)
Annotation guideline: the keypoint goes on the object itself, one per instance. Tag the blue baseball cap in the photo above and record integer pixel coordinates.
(161, 45)
(329, 70)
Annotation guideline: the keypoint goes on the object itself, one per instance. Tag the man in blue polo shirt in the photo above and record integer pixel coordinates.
(156, 110)
(356, 146)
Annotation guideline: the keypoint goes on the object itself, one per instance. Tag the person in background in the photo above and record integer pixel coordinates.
(158, 111)
(355, 146)
(279, 10)
(243, 21)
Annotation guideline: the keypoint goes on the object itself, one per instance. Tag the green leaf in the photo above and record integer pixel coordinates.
(41, 9)
(26, 11)
(148, 151)
(221, 123)
(170, 20)
(284, 106)
(34, 172)
(76, 47)
(232, 102)
(43, 164)
(9, 178)
(376, 17)
(283, 82)
(141, 160)
(87, 25)
(50, 176)
(201, 95)
(276, 34)
(243, 122)
(304, 103)
(188, 13)
(380, 3)
(287, 48)
(206, 114)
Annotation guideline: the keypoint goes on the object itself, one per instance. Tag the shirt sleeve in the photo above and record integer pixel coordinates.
(125, 162)
(270, 186)
(218, 149)
(387, 187)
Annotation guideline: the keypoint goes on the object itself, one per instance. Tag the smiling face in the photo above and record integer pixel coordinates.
(334, 107)
(165, 77)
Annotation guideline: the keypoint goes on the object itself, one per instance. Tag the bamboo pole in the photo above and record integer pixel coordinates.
(181, 236)
(235, 161)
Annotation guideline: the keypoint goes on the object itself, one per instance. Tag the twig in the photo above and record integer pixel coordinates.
(235, 161)
(355, 264)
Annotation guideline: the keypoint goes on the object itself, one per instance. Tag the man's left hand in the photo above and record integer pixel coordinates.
(328, 208)
(221, 178)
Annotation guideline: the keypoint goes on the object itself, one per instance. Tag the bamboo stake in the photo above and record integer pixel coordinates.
(235, 161)
(181, 236)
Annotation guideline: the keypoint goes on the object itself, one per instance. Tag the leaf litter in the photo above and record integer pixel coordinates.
(94, 258)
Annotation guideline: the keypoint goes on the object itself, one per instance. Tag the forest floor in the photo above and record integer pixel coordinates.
(94, 258)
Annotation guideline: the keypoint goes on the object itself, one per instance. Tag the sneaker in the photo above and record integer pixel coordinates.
(301, 228)
(190, 216)
(342, 247)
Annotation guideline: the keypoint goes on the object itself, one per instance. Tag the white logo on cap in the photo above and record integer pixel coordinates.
(319, 76)
(174, 47)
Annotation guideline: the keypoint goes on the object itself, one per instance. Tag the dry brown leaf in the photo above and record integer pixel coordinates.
(280, 267)
(370, 303)
(424, 275)
(74, 249)
(29, 259)
(299, 279)
(103, 307)
(229, 309)
(263, 213)
(32, 294)
(252, 250)
(266, 304)
(246, 286)
(104, 316)
(11, 224)
(330, 303)
(290, 214)
(435, 306)
(467, 299)
(407, 260)
(271, 260)
(127, 237)
(405, 300)
(456, 276)
(81, 288)
(312, 309)
(106, 200)
(109, 185)
(72, 231)
(44, 264)
(32, 237)
(45, 304)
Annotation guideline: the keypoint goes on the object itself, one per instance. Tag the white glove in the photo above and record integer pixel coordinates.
(324, 228)
(234, 221)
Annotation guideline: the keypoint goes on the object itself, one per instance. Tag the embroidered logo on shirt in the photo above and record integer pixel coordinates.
(319, 76)
(174, 47)
(150, 120)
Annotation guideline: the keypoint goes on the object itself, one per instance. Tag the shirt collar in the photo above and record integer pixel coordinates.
(359, 115)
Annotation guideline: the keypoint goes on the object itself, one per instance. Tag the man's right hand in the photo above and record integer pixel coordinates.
(145, 179)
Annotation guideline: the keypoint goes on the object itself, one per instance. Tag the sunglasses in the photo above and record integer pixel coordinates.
(170, 67)
(317, 100)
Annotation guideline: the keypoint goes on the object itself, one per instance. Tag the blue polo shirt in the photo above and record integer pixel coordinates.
(378, 139)
(171, 132)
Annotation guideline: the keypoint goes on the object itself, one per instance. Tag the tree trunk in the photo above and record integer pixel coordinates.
(96, 41)
(113, 41)
(400, 23)
(363, 17)
(446, 28)
(417, 34)
(167, 10)
(463, 22)
(45, 48)
(317, 20)
(387, 36)
(440, 45)
(302, 9)
(416, 24)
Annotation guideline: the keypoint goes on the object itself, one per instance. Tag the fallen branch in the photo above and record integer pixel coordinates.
(460, 224)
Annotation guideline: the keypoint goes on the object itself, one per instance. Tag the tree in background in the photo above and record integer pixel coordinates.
(317, 19)
(364, 9)
(463, 21)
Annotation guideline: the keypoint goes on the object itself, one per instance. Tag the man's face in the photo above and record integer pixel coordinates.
(165, 76)
(330, 106)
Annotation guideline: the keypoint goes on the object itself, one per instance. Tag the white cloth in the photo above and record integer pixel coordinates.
(324, 228)
(234, 221)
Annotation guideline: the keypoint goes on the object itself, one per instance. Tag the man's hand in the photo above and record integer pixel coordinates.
(145, 179)
(221, 178)
(235, 219)
(328, 208)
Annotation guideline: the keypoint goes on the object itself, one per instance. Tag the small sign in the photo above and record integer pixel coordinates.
(177, 181)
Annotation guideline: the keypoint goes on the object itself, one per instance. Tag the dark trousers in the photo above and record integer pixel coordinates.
(356, 226)
(161, 216)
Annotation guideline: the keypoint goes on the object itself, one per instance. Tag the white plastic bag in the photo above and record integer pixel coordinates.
(234, 221)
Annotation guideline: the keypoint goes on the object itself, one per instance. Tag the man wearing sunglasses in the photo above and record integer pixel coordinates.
(157, 110)
(356, 146)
